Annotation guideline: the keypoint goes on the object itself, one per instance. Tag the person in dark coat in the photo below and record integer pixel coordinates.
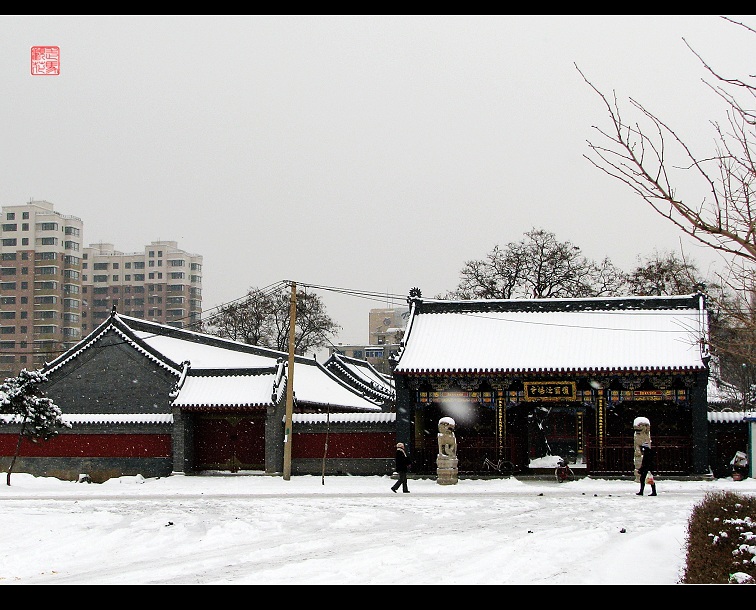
(402, 465)
(648, 465)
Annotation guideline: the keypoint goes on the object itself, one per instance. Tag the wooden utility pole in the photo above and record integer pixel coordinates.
(290, 384)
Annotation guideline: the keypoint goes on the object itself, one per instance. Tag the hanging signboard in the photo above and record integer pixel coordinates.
(550, 390)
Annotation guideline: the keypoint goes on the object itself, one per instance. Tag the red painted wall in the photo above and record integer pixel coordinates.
(90, 445)
(362, 445)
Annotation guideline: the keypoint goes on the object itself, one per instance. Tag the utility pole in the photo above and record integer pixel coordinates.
(290, 384)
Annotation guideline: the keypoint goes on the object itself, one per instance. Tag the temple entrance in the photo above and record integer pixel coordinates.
(229, 442)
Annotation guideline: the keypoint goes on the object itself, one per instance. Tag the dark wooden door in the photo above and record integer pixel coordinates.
(229, 442)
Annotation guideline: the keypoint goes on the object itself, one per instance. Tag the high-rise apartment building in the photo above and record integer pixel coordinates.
(40, 285)
(53, 291)
(161, 284)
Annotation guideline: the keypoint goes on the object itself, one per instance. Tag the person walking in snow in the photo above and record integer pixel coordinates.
(402, 465)
(647, 468)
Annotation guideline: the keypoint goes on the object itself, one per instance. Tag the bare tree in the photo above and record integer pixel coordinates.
(665, 273)
(653, 160)
(641, 156)
(539, 267)
(263, 318)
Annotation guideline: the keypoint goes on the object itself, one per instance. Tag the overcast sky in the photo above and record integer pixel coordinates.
(371, 153)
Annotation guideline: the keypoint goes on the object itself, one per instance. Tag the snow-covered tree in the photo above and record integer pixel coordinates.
(40, 418)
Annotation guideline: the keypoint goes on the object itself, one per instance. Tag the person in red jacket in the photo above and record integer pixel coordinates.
(402, 465)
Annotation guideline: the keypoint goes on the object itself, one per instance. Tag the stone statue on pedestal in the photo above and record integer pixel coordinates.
(446, 461)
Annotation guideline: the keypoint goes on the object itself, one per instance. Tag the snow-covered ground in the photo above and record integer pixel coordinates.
(248, 528)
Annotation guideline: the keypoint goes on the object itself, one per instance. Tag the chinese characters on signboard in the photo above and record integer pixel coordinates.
(550, 390)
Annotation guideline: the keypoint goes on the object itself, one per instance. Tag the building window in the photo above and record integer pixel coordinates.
(10, 227)
(45, 285)
(100, 266)
(99, 278)
(7, 330)
(24, 241)
(100, 290)
(151, 263)
(45, 256)
(48, 241)
(138, 264)
(115, 265)
(8, 256)
(152, 276)
(179, 262)
(10, 216)
(127, 265)
(72, 273)
(9, 241)
(46, 271)
(25, 215)
(152, 253)
(8, 271)
(8, 315)
(24, 226)
(139, 277)
(196, 267)
(177, 275)
(47, 226)
(72, 231)
(115, 278)
(71, 245)
(8, 300)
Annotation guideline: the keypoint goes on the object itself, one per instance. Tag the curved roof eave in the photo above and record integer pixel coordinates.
(542, 371)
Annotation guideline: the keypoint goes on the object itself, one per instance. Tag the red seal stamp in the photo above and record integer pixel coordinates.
(45, 61)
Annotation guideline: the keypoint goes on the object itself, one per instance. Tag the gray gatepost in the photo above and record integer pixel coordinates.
(446, 461)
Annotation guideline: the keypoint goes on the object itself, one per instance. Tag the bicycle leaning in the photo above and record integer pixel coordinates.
(501, 467)
(563, 472)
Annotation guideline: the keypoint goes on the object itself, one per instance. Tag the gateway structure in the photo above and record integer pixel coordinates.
(524, 379)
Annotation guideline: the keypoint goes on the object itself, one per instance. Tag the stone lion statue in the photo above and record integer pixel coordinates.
(447, 442)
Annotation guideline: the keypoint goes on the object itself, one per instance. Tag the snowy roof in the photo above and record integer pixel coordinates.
(730, 417)
(212, 371)
(105, 418)
(343, 418)
(544, 335)
(361, 374)
(230, 389)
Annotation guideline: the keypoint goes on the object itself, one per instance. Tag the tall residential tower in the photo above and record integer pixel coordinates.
(53, 291)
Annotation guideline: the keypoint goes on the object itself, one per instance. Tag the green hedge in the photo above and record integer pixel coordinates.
(721, 540)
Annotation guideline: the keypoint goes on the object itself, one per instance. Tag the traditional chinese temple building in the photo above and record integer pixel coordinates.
(529, 378)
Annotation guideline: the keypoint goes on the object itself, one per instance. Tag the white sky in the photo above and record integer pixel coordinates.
(372, 153)
(247, 529)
